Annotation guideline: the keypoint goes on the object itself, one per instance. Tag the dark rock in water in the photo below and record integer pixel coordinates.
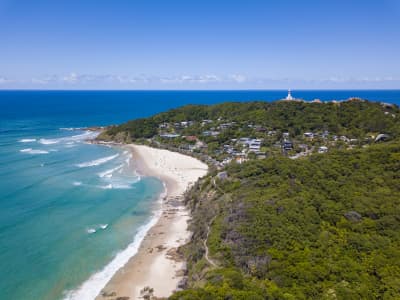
(353, 216)
(122, 298)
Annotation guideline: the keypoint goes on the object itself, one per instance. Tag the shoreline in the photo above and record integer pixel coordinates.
(157, 264)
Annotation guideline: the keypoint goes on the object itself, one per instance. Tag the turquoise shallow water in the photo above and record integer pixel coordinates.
(70, 211)
(66, 209)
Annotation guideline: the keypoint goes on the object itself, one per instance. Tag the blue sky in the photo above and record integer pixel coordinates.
(182, 44)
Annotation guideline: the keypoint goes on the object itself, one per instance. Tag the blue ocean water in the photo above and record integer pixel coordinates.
(68, 208)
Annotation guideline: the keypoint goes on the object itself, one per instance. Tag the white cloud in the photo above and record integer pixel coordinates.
(235, 80)
(238, 78)
(71, 78)
(5, 80)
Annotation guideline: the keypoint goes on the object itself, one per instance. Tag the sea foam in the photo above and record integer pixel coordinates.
(97, 162)
(103, 226)
(78, 137)
(49, 141)
(109, 173)
(33, 151)
(27, 140)
(91, 288)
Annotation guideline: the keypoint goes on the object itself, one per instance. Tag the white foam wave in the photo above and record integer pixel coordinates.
(116, 186)
(27, 140)
(106, 187)
(121, 186)
(70, 145)
(108, 173)
(97, 162)
(92, 287)
(79, 137)
(128, 159)
(70, 128)
(77, 183)
(33, 151)
(49, 141)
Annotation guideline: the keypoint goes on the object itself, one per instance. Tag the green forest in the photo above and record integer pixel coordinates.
(354, 118)
(324, 227)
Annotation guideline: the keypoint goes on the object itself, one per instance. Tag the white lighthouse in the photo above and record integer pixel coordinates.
(289, 96)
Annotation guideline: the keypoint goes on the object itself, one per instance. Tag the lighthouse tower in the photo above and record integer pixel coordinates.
(289, 96)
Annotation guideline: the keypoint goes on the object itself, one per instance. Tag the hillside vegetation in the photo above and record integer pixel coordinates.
(353, 118)
(324, 227)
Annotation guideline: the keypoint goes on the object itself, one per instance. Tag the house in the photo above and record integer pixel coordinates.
(255, 145)
(228, 149)
(309, 135)
(210, 133)
(226, 125)
(191, 138)
(322, 149)
(170, 135)
(222, 175)
(259, 128)
(199, 145)
(285, 135)
(303, 146)
(287, 145)
(244, 140)
(240, 158)
(325, 134)
(382, 137)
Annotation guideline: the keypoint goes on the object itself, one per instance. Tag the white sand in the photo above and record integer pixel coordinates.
(151, 266)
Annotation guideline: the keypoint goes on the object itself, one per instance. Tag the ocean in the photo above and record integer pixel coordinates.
(71, 213)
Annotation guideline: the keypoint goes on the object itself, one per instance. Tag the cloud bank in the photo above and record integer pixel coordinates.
(186, 81)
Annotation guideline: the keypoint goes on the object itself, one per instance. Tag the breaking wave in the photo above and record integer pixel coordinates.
(109, 173)
(27, 140)
(97, 162)
(79, 137)
(33, 151)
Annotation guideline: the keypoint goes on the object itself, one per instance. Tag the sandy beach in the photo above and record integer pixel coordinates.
(157, 264)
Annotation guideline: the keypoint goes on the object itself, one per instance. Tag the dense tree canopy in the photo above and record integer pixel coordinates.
(325, 227)
(353, 118)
